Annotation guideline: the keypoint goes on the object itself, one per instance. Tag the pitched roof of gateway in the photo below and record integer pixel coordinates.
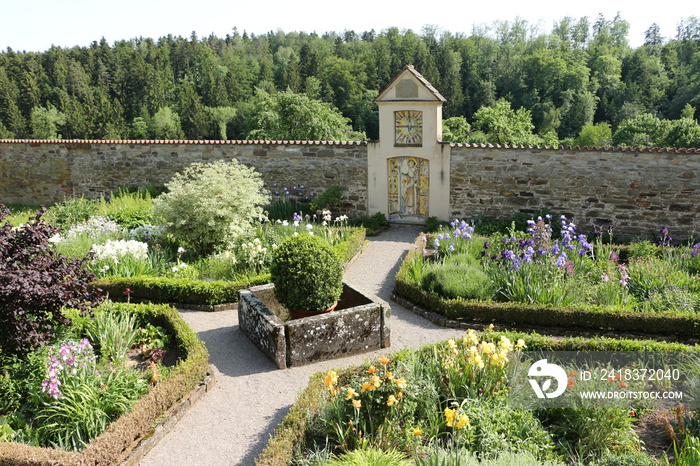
(344, 143)
(410, 69)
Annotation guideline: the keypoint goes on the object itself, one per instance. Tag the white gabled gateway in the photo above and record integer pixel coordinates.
(408, 168)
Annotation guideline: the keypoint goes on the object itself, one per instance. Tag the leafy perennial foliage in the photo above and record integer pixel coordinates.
(209, 205)
(35, 284)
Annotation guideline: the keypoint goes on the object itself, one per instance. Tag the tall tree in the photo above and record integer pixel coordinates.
(286, 115)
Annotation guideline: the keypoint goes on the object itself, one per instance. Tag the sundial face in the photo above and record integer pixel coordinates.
(409, 127)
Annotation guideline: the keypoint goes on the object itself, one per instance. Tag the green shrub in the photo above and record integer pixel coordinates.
(374, 224)
(643, 249)
(433, 224)
(284, 208)
(128, 209)
(458, 281)
(176, 290)
(498, 428)
(672, 299)
(89, 402)
(585, 433)
(463, 259)
(71, 211)
(307, 273)
(627, 458)
(648, 275)
(208, 205)
(461, 457)
(329, 199)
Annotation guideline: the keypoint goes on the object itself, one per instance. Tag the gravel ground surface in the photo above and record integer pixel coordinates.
(232, 423)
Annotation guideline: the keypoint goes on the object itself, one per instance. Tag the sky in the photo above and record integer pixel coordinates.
(35, 25)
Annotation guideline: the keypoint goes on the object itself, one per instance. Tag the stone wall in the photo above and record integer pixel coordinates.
(34, 172)
(636, 191)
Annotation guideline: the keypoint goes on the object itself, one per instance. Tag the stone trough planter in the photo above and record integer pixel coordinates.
(360, 323)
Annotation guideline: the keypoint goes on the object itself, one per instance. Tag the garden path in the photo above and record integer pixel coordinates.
(231, 424)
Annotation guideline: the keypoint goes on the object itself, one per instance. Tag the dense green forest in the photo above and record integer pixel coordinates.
(579, 83)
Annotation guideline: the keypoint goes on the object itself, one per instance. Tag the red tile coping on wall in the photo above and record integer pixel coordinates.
(180, 141)
(579, 148)
(342, 143)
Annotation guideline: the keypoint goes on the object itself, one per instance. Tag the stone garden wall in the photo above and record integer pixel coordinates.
(637, 191)
(45, 172)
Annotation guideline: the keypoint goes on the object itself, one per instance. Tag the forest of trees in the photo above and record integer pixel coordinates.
(579, 83)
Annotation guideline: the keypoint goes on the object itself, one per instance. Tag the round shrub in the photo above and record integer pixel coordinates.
(307, 274)
(458, 281)
(208, 205)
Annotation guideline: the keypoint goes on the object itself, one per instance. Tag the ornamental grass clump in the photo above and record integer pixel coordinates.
(307, 274)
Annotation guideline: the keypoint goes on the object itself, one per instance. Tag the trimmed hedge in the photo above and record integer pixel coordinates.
(290, 435)
(353, 244)
(176, 290)
(289, 438)
(596, 318)
(117, 441)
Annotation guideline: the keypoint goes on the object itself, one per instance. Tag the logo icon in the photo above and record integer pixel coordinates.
(543, 369)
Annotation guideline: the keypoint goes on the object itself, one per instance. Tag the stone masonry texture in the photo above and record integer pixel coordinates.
(637, 191)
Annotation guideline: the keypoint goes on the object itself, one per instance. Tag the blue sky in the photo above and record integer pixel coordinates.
(35, 25)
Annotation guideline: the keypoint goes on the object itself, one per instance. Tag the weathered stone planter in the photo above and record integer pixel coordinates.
(359, 324)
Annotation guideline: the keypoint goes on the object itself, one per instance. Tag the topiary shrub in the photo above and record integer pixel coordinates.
(35, 284)
(307, 274)
(208, 205)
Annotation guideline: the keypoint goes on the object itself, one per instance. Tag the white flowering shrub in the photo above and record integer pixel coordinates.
(126, 258)
(208, 206)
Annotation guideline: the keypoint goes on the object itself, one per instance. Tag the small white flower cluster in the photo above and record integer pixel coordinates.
(117, 249)
(254, 252)
(178, 267)
(254, 247)
(94, 226)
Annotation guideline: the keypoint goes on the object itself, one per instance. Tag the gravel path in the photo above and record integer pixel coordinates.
(232, 423)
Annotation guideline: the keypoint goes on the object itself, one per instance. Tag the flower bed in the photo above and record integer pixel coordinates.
(446, 400)
(532, 280)
(173, 385)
